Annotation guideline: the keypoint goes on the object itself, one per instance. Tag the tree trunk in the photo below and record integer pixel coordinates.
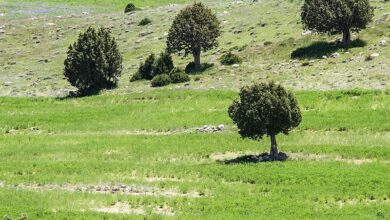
(274, 148)
(346, 37)
(197, 58)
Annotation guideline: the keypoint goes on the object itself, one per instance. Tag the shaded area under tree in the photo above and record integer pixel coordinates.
(319, 49)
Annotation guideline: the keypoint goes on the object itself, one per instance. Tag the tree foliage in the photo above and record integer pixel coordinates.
(93, 62)
(194, 29)
(154, 66)
(265, 109)
(336, 16)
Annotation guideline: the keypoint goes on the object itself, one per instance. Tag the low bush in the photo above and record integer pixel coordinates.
(163, 64)
(230, 59)
(154, 66)
(178, 76)
(130, 7)
(144, 22)
(145, 70)
(161, 80)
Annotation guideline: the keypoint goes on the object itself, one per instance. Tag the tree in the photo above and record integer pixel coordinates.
(93, 62)
(265, 109)
(337, 16)
(195, 29)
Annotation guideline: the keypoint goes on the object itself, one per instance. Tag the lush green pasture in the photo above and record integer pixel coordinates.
(94, 140)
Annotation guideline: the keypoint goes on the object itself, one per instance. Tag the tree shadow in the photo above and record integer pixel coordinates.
(190, 68)
(261, 158)
(319, 49)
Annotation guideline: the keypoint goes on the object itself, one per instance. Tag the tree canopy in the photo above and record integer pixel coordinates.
(93, 62)
(194, 29)
(265, 109)
(336, 16)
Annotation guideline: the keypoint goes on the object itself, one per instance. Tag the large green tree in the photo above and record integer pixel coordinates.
(265, 109)
(93, 62)
(336, 16)
(195, 29)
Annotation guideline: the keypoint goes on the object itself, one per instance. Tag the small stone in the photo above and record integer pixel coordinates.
(324, 57)
(7, 83)
(221, 127)
(334, 55)
(383, 43)
(236, 65)
(307, 33)
(374, 55)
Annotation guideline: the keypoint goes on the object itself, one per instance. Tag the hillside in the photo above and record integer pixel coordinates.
(37, 35)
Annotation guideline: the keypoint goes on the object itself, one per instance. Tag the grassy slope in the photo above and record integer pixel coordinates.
(111, 4)
(242, 33)
(85, 141)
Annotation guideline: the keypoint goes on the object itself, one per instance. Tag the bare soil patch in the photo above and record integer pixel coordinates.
(132, 190)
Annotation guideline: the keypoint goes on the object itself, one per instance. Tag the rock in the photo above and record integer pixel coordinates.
(307, 33)
(237, 31)
(324, 57)
(383, 43)
(43, 61)
(221, 127)
(211, 129)
(12, 63)
(7, 83)
(236, 65)
(85, 13)
(334, 55)
(374, 55)
(145, 33)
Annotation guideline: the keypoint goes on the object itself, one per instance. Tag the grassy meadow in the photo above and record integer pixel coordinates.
(339, 157)
(135, 152)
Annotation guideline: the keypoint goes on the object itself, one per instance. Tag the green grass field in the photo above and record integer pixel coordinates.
(135, 152)
(338, 167)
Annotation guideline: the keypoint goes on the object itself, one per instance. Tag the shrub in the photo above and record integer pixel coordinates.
(93, 62)
(145, 69)
(178, 76)
(130, 7)
(153, 67)
(161, 80)
(195, 29)
(230, 59)
(163, 65)
(144, 22)
(265, 109)
(136, 77)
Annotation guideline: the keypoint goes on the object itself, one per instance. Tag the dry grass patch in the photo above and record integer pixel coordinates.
(124, 208)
